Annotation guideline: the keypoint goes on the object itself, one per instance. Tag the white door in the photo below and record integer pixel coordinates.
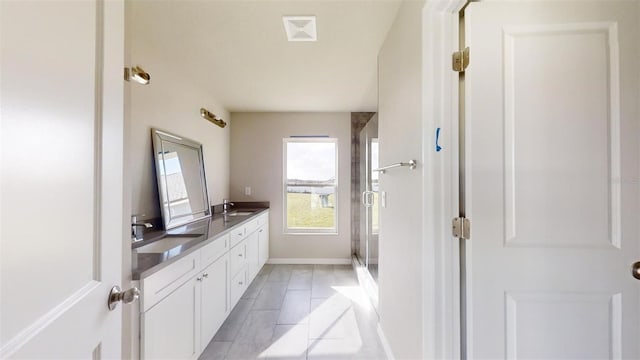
(61, 172)
(553, 179)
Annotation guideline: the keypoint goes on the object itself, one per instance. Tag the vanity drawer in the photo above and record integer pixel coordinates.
(238, 286)
(214, 250)
(251, 226)
(237, 235)
(157, 286)
(263, 219)
(238, 257)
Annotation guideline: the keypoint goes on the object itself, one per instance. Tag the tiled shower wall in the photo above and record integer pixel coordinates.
(358, 121)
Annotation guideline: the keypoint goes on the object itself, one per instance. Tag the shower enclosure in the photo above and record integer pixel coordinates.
(366, 251)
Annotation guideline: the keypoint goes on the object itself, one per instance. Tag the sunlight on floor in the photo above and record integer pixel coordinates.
(355, 294)
(332, 326)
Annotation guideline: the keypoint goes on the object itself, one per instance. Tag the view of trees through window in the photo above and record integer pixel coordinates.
(310, 184)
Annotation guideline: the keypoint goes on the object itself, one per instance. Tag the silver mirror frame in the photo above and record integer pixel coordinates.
(158, 137)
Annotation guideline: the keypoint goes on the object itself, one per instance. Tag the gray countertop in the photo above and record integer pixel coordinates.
(205, 231)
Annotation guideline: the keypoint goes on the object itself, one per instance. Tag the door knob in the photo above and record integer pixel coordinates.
(635, 270)
(116, 295)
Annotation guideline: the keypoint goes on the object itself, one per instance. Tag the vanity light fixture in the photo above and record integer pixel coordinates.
(208, 115)
(137, 74)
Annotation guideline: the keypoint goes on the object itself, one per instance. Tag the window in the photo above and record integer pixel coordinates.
(310, 185)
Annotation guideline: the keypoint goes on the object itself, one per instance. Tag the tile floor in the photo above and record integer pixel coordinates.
(300, 312)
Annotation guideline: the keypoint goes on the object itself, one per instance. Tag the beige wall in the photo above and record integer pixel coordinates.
(400, 124)
(170, 102)
(257, 161)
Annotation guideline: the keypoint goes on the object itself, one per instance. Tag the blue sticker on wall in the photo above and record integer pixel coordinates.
(438, 147)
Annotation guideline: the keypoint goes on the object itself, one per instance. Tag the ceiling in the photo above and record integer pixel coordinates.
(237, 51)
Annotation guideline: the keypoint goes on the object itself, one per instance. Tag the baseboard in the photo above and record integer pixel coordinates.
(385, 343)
(308, 261)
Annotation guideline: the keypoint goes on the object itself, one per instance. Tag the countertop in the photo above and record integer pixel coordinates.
(205, 231)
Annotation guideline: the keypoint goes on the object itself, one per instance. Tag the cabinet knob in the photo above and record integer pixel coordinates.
(240, 283)
(240, 255)
(205, 275)
(199, 278)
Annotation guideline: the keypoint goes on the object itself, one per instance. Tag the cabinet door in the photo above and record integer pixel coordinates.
(252, 256)
(214, 305)
(238, 258)
(263, 245)
(169, 328)
(238, 286)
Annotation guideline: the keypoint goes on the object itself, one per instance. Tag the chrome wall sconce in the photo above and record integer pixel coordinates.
(137, 74)
(207, 115)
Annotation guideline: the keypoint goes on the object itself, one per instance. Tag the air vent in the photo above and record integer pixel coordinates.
(300, 28)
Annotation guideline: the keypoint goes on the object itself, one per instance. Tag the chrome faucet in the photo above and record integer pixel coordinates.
(226, 205)
(137, 229)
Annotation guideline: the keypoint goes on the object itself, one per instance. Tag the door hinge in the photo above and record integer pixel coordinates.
(461, 228)
(460, 60)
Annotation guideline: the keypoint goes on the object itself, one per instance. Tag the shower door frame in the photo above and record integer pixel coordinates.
(365, 167)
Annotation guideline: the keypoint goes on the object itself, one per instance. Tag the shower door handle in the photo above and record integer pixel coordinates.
(367, 198)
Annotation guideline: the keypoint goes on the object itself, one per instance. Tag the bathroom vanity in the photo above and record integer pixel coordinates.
(192, 276)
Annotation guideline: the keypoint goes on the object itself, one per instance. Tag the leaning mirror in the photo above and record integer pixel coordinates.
(182, 185)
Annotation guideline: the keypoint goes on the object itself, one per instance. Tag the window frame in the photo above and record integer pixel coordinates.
(308, 231)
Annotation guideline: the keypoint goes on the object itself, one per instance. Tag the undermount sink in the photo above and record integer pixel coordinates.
(240, 213)
(165, 244)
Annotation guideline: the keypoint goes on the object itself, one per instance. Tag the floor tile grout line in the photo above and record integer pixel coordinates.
(310, 343)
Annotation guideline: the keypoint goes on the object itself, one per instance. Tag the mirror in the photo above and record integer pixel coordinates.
(182, 185)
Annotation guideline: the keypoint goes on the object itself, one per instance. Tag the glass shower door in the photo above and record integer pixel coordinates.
(369, 205)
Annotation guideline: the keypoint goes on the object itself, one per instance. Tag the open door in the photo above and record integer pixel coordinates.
(553, 156)
(62, 198)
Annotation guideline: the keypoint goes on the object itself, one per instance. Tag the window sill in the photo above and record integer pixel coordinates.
(334, 233)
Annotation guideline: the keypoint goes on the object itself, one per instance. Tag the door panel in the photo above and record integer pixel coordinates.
(562, 325)
(61, 230)
(541, 119)
(552, 179)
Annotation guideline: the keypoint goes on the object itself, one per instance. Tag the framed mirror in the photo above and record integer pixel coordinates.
(182, 185)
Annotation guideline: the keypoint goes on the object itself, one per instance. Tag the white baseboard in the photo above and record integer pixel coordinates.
(385, 343)
(309, 261)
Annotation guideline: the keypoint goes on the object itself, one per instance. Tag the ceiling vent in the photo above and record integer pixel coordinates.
(300, 28)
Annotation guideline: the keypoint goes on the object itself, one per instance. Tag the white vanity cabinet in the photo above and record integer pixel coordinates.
(238, 274)
(263, 239)
(253, 255)
(169, 328)
(184, 304)
(214, 299)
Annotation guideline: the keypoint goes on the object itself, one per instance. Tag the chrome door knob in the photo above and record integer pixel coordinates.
(635, 270)
(116, 295)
